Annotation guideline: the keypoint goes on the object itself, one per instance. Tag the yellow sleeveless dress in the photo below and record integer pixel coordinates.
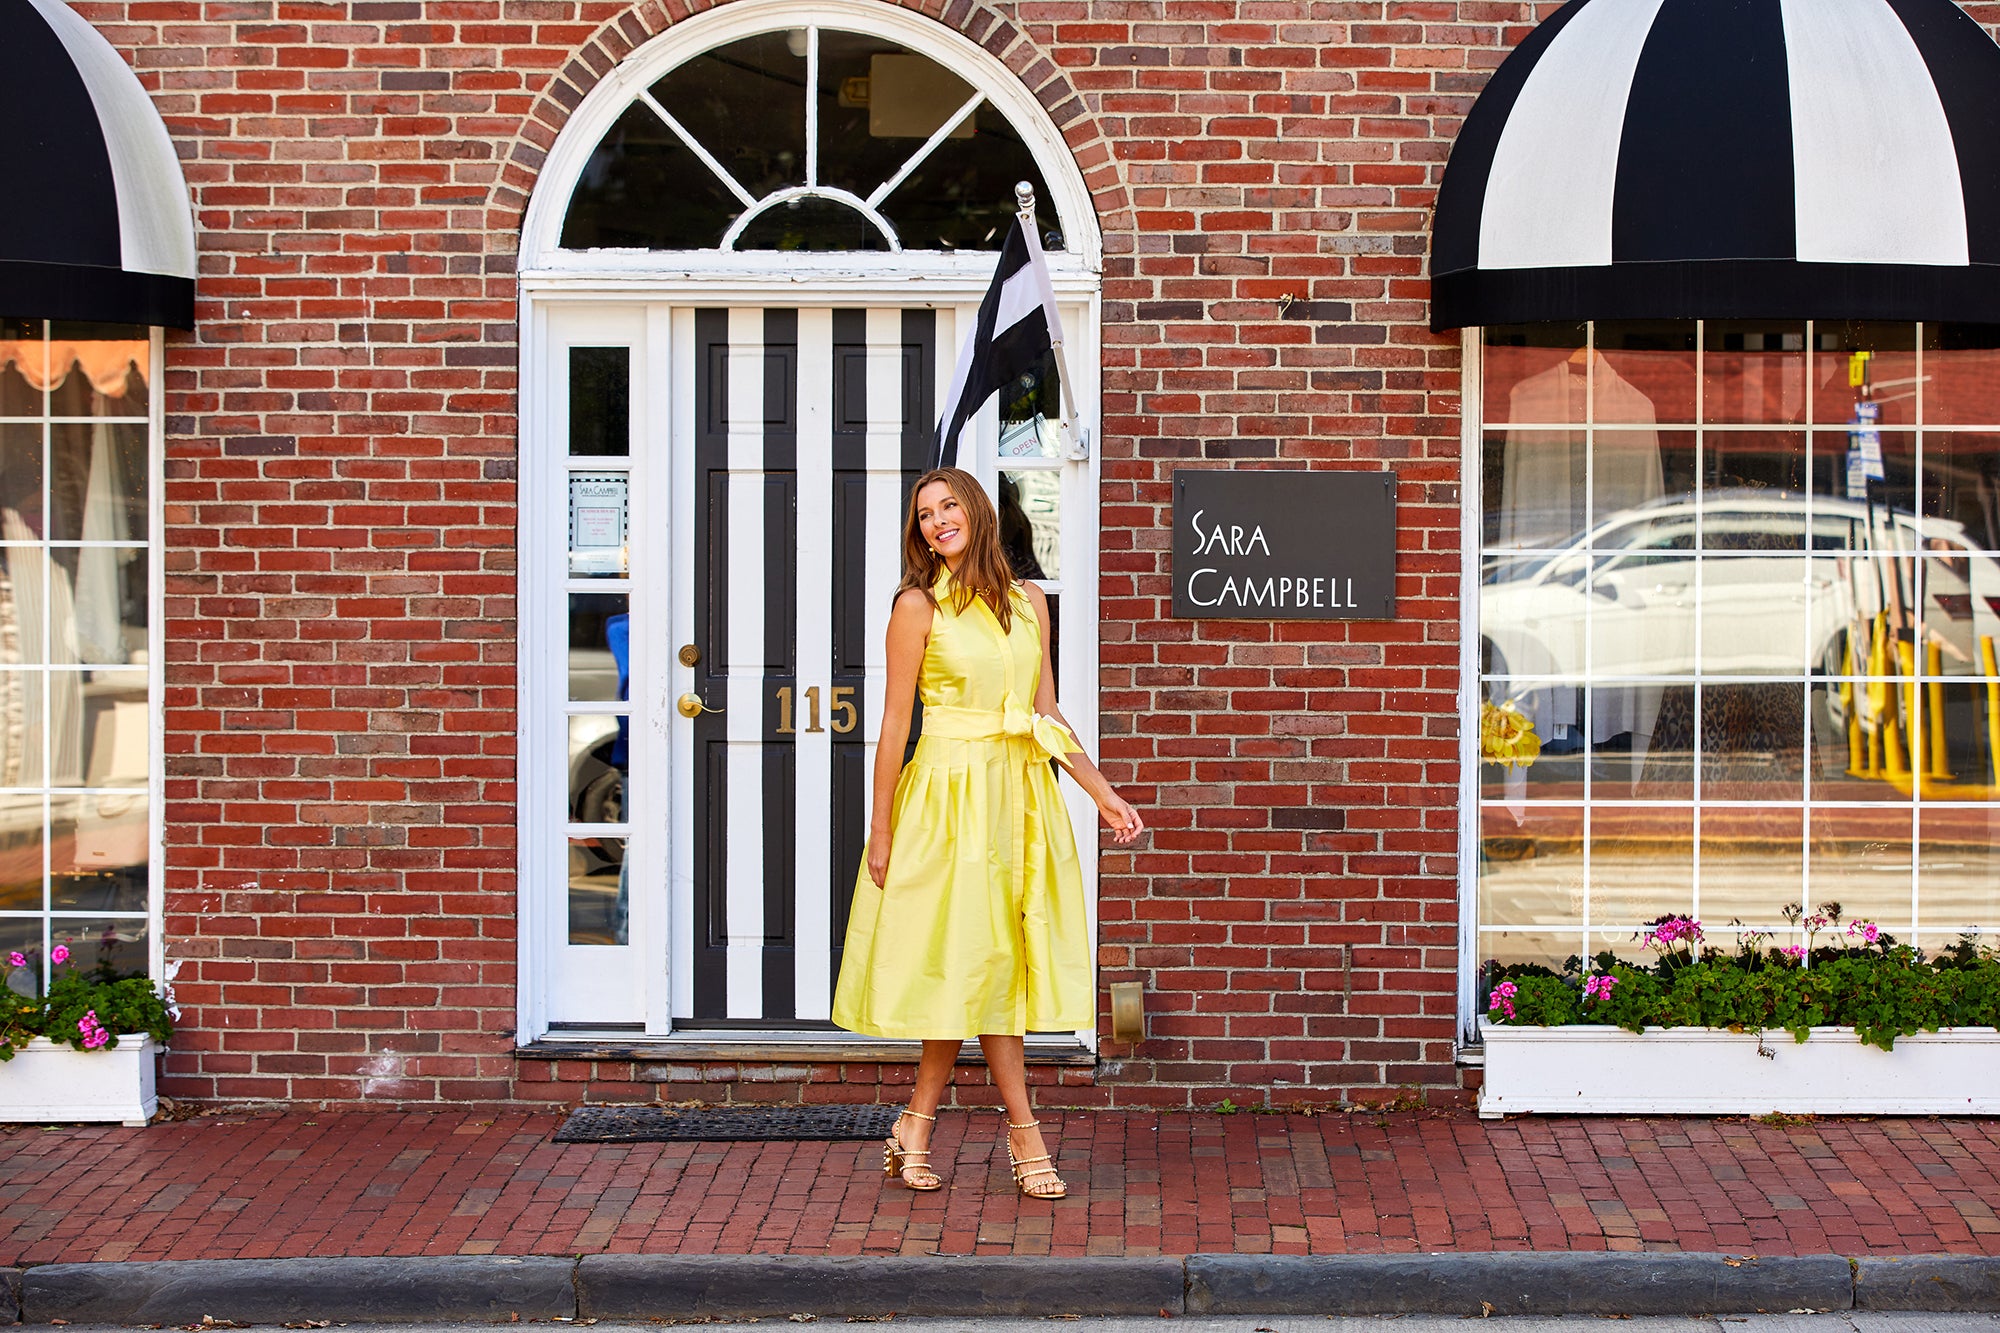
(981, 926)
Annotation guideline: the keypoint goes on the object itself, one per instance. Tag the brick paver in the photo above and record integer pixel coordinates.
(457, 1182)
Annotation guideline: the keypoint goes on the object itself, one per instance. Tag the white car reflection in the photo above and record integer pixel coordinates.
(1629, 599)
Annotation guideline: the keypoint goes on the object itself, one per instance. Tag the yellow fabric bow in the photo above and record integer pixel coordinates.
(1018, 720)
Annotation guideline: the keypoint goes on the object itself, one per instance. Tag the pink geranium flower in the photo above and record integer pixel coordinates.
(59, 955)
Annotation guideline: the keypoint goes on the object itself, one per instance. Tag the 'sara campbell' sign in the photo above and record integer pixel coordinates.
(1256, 545)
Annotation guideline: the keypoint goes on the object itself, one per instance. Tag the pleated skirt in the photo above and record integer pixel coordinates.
(981, 927)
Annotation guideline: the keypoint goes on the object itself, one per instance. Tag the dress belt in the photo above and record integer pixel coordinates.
(1010, 722)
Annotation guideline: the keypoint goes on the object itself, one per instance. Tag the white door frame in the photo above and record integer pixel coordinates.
(662, 938)
(553, 281)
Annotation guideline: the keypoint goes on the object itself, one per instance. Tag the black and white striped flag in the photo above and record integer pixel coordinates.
(1017, 327)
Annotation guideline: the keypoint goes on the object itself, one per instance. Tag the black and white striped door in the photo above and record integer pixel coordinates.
(806, 428)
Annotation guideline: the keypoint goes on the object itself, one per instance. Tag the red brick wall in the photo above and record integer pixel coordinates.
(340, 529)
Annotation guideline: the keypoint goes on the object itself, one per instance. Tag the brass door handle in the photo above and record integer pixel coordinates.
(690, 705)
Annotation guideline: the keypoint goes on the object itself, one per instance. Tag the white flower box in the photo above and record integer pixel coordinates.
(1588, 1069)
(51, 1083)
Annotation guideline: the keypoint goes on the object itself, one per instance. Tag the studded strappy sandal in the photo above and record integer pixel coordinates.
(912, 1166)
(1037, 1182)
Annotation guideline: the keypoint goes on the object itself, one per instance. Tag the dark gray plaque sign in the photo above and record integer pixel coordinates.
(1252, 545)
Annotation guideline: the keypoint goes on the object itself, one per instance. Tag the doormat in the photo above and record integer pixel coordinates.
(659, 1124)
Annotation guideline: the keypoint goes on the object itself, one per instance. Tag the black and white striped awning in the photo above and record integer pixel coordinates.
(1729, 158)
(99, 227)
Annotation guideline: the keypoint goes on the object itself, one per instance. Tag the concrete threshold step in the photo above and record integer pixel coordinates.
(638, 1287)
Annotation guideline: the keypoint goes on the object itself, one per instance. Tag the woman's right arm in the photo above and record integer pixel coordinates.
(909, 633)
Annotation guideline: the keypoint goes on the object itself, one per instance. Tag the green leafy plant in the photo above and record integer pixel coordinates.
(1864, 980)
(86, 1009)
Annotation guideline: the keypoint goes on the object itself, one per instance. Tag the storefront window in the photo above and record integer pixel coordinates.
(1740, 585)
(76, 638)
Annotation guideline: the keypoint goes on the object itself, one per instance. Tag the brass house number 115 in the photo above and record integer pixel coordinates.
(845, 716)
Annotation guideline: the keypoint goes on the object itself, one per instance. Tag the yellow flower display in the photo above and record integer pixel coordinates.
(1506, 736)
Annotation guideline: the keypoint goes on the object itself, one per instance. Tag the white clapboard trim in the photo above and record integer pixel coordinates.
(1865, 112)
(812, 889)
(744, 657)
(680, 891)
(1555, 169)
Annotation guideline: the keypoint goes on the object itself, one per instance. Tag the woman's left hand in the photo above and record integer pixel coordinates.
(1120, 818)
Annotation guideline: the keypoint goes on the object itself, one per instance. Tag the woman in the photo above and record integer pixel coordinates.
(968, 918)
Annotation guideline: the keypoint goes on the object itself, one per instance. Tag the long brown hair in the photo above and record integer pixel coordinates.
(984, 573)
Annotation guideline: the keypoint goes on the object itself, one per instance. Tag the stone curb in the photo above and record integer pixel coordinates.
(1515, 1283)
(639, 1286)
(496, 1289)
(1955, 1283)
(469, 1288)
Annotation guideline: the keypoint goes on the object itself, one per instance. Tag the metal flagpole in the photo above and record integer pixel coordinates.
(1074, 448)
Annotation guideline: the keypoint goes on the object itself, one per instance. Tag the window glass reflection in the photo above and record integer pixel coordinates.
(1961, 375)
(1752, 864)
(598, 759)
(599, 891)
(1860, 858)
(1642, 614)
(98, 370)
(745, 103)
(600, 652)
(1857, 364)
(1753, 741)
(1962, 487)
(23, 367)
(1756, 471)
(1531, 866)
(1641, 864)
(117, 729)
(21, 728)
(99, 852)
(806, 224)
(961, 197)
(1535, 354)
(1754, 616)
(98, 607)
(1645, 372)
(1030, 510)
(1785, 639)
(645, 189)
(1753, 372)
(877, 105)
(1958, 874)
(1867, 476)
(1642, 740)
(600, 401)
(97, 482)
(21, 832)
(106, 948)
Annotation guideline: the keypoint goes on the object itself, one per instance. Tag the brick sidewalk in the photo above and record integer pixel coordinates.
(455, 1182)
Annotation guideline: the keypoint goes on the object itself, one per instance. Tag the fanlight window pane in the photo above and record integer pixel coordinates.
(729, 129)
(961, 197)
(645, 190)
(745, 103)
(806, 223)
(877, 105)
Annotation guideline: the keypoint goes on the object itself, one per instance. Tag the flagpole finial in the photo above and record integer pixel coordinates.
(1024, 198)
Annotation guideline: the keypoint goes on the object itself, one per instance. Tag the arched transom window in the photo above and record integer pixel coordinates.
(803, 139)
